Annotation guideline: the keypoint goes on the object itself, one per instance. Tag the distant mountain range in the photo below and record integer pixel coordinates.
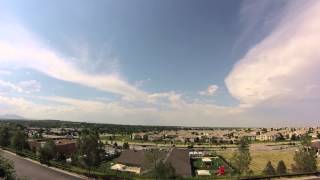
(11, 116)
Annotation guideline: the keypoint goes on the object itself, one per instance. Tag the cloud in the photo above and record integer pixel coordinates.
(211, 90)
(177, 111)
(5, 72)
(285, 64)
(27, 87)
(19, 48)
(8, 86)
(30, 86)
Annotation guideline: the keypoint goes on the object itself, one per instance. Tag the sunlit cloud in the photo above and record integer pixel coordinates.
(285, 64)
(211, 90)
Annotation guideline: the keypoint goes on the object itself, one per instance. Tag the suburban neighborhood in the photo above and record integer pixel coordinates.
(183, 152)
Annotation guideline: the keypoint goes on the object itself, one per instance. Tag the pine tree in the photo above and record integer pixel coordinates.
(281, 168)
(269, 170)
(241, 158)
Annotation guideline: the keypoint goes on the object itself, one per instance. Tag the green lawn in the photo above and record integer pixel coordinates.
(260, 158)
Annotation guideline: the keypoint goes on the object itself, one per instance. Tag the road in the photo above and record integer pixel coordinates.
(33, 171)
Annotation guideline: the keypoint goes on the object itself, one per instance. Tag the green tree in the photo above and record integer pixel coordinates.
(152, 157)
(269, 169)
(293, 137)
(6, 169)
(164, 171)
(47, 152)
(304, 161)
(126, 145)
(18, 141)
(306, 140)
(280, 137)
(90, 149)
(281, 168)
(241, 159)
(4, 136)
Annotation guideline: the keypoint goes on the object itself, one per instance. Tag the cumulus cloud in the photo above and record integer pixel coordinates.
(285, 64)
(19, 48)
(211, 90)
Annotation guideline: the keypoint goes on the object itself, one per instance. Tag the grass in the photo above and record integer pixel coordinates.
(260, 158)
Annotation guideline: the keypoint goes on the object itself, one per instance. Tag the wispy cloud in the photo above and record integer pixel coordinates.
(27, 87)
(19, 48)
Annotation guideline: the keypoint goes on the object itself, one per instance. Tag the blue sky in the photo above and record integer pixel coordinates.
(217, 63)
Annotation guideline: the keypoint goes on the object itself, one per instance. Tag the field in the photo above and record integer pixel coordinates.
(261, 157)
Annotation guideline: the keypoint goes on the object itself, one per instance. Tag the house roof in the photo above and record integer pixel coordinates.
(180, 161)
(64, 142)
(315, 144)
(132, 158)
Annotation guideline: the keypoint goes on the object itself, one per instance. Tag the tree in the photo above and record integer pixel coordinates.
(47, 152)
(281, 168)
(6, 169)
(269, 170)
(305, 161)
(126, 145)
(306, 140)
(164, 171)
(241, 159)
(90, 149)
(18, 141)
(280, 137)
(152, 157)
(4, 136)
(293, 137)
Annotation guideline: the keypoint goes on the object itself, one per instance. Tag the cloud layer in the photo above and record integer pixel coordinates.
(278, 76)
(285, 64)
(20, 49)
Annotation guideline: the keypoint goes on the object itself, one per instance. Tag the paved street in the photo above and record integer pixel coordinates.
(25, 168)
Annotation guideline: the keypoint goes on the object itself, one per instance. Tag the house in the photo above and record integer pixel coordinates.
(270, 136)
(155, 137)
(66, 146)
(131, 161)
(35, 144)
(315, 144)
(63, 146)
(136, 136)
(180, 161)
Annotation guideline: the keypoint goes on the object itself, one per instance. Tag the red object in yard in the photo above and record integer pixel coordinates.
(221, 170)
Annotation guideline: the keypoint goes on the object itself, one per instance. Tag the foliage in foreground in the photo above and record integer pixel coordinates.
(305, 161)
(7, 169)
(241, 159)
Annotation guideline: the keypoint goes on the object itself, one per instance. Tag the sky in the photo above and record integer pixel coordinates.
(189, 63)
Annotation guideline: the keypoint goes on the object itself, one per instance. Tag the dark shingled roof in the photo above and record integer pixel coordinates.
(180, 161)
(132, 158)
